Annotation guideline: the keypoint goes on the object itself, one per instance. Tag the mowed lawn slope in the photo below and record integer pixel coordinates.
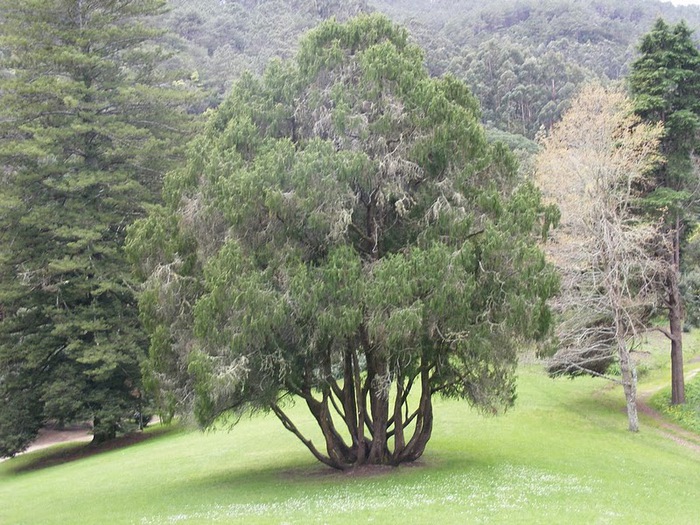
(562, 455)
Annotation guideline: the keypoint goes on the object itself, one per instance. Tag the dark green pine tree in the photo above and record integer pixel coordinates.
(665, 82)
(89, 122)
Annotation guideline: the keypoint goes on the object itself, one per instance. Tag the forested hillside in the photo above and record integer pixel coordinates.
(522, 58)
(221, 39)
(525, 58)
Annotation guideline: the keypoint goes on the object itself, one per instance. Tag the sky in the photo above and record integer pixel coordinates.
(685, 2)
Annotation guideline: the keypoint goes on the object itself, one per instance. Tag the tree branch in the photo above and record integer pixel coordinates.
(294, 430)
(663, 331)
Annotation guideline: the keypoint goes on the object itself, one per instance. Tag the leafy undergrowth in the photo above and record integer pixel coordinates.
(687, 415)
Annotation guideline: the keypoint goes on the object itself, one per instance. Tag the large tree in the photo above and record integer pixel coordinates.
(665, 82)
(344, 235)
(594, 164)
(88, 125)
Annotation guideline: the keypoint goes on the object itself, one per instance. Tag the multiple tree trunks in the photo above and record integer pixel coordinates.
(361, 422)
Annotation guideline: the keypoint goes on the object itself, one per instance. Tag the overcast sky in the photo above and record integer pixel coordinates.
(685, 2)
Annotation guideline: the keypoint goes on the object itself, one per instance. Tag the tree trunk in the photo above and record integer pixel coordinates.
(675, 318)
(102, 432)
(399, 439)
(629, 384)
(338, 452)
(371, 403)
(424, 424)
(377, 372)
(676, 326)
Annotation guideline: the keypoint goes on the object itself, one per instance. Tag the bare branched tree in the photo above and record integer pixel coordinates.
(594, 164)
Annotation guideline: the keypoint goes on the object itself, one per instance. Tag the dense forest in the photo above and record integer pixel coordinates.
(523, 59)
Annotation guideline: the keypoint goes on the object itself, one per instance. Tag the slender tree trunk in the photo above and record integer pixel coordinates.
(399, 439)
(676, 327)
(675, 318)
(350, 399)
(360, 394)
(424, 424)
(289, 425)
(629, 384)
(336, 448)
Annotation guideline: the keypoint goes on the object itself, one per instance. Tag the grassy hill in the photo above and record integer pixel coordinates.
(561, 455)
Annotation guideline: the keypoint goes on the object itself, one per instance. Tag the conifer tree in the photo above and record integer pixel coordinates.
(344, 234)
(665, 82)
(88, 123)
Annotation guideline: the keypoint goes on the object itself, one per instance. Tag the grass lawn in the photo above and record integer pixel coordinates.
(562, 455)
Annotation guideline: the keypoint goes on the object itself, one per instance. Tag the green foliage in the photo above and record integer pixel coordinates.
(88, 122)
(19, 417)
(690, 283)
(345, 217)
(222, 40)
(665, 81)
(521, 90)
(525, 60)
(686, 415)
(642, 369)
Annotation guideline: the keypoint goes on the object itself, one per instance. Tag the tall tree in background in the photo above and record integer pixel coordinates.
(593, 165)
(88, 125)
(665, 82)
(343, 234)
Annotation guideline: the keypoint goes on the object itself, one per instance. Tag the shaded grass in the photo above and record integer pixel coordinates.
(687, 415)
(74, 451)
(562, 454)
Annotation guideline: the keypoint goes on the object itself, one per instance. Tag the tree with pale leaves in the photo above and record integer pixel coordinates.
(595, 164)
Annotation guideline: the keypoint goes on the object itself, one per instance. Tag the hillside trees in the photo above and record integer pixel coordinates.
(521, 91)
(665, 82)
(344, 235)
(594, 164)
(222, 40)
(561, 44)
(88, 125)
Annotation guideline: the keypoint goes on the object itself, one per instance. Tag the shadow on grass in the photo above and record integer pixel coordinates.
(320, 471)
(69, 452)
(295, 476)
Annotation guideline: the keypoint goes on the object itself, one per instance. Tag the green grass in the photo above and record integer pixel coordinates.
(561, 455)
(687, 415)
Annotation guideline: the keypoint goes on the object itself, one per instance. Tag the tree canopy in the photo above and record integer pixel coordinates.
(526, 60)
(88, 124)
(220, 40)
(342, 235)
(665, 83)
